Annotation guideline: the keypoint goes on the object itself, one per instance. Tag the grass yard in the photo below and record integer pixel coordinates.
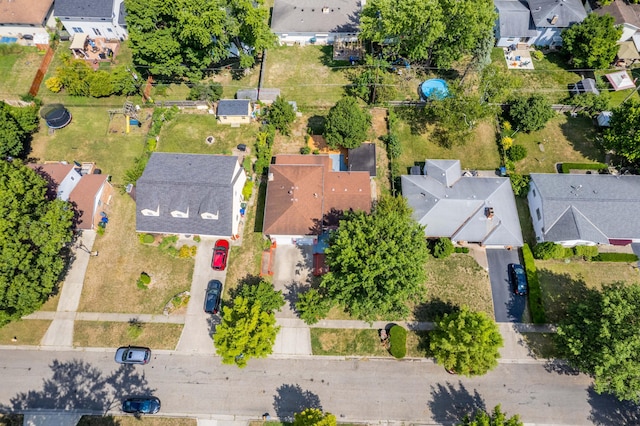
(526, 224)
(28, 332)
(105, 334)
(563, 283)
(564, 139)
(135, 421)
(187, 133)
(110, 282)
(306, 74)
(454, 282)
(18, 65)
(541, 344)
(51, 305)
(358, 342)
(616, 98)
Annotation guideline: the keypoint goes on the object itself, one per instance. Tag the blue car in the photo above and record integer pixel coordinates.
(518, 278)
(212, 298)
(143, 405)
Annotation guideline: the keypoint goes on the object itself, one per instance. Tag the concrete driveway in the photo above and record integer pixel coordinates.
(507, 306)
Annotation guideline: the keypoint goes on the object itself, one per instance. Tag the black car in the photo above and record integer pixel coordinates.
(141, 405)
(518, 278)
(212, 297)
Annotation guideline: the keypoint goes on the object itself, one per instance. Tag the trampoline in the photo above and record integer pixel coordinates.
(56, 116)
(435, 88)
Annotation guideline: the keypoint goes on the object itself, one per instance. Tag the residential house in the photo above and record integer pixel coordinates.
(27, 17)
(515, 24)
(190, 194)
(363, 159)
(627, 16)
(305, 196)
(585, 209)
(476, 207)
(103, 18)
(88, 190)
(552, 16)
(303, 22)
(234, 111)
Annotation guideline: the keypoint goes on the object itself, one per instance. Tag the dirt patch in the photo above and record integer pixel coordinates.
(328, 341)
(379, 121)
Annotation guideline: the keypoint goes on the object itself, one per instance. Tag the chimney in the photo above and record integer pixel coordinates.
(488, 211)
(270, 177)
(325, 9)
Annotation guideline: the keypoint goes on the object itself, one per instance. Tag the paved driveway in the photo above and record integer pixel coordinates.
(507, 306)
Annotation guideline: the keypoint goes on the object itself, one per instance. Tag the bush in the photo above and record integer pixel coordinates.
(585, 252)
(145, 278)
(312, 306)
(506, 125)
(398, 341)
(186, 251)
(205, 92)
(305, 150)
(394, 147)
(247, 189)
(566, 167)
(167, 245)
(538, 315)
(146, 238)
(463, 250)
(442, 248)
(135, 329)
(519, 184)
(548, 250)
(54, 84)
(151, 145)
(507, 143)
(537, 55)
(517, 153)
(197, 238)
(615, 257)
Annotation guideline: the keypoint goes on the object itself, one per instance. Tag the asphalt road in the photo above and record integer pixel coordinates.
(354, 390)
(507, 306)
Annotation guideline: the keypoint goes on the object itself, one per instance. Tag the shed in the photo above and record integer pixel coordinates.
(587, 85)
(234, 111)
(251, 94)
(603, 118)
(268, 96)
(620, 80)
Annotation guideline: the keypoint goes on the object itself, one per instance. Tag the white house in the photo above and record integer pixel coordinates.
(104, 18)
(22, 17)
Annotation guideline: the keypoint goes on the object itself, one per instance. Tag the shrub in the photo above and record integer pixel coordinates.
(205, 92)
(305, 150)
(394, 147)
(100, 230)
(442, 248)
(316, 152)
(463, 250)
(54, 84)
(566, 167)
(519, 184)
(100, 85)
(398, 341)
(537, 55)
(247, 189)
(312, 306)
(506, 125)
(615, 257)
(535, 294)
(152, 143)
(145, 278)
(197, 238)
(585, 252)
(146, 238)
(506, 142)
(186, 251)
(135, 329)
(548, 250)
(517, 153)
(167, 245)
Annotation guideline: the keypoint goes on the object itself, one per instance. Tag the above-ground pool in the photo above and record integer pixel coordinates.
(7, 40)
(435, 87)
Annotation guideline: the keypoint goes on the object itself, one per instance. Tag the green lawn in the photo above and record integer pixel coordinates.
(541, 344)
(113, 334)
(18, 65)
(136, 421)
(360, 342)
(27, 332)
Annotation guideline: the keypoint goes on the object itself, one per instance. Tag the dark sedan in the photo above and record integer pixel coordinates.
(212, 297)
(143, 405)
(518, 278)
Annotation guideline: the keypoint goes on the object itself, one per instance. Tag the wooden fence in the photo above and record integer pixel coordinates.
(42, 70)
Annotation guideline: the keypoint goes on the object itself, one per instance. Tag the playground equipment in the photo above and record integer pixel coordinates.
(130, 113)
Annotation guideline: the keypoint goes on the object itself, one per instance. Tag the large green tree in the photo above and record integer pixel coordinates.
(593, 42)
(466, 342)
(436, 31)
(246, 332)
(530, 114)
(347, 124)
(174, 38)
(281, 115)
(377, 261)
(16, 126)
(33, 233)
(263, 292)
(495, 418)
(314, 417)
(623, 134)
(599, 336)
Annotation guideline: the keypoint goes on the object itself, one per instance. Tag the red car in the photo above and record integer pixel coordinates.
(220, 253)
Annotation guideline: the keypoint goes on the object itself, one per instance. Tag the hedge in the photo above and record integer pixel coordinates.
(566, 167)
(535, 294)
(398, 341)
(615, 257)
(462, 250)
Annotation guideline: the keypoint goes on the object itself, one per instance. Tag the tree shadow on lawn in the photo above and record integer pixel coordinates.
(449, 404)
(559, 291)
(433, 309)
(291, 399)
(416, 119)
(260, 202)
(327, 60)
(580, 133)
(606, 410)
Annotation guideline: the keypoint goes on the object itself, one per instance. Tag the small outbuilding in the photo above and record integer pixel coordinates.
(603, 118)
(234, 111)
(627, 54)
(620, 80)
(587, 85)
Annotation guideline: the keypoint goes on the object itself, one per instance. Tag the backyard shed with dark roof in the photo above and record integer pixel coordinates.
(234, 111)
(587, 85)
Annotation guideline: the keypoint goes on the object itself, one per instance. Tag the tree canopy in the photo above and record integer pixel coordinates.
(16, 126)
(599, 336)
(314, 417)
(495, 418)
(623, 134)
(347, 124)
(436, 31)
(175, 38)
(377, 261)
(531, 114)
(263, 292)
(33, 233)
(281, 115)
(592, 43)
(466, 342)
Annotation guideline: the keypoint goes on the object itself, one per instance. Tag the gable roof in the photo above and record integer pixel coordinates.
(568, 12)
(589, 207)
(302, 190)
(363, 158)
(84, 197)
(24, 12)
(514, 18)
(461, 210)
(234, 107)
(84, 8)
(587, 85)
(53, 172)
(627, 50)
(310, 16)
(622, 13)
(189, 183)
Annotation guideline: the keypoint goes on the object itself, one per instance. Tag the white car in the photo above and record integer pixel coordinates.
(133, 355)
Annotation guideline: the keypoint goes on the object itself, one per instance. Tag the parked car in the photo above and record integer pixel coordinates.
(518, 278)
(133, 355)
(220, 252)
(141, 405)
(212, 297)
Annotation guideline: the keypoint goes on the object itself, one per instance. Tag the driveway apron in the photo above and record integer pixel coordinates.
(507, 306)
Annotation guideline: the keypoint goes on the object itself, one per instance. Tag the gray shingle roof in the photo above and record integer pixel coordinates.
(84, 8)
(307, 16)
(589, 207)
(588, 85)
(569, 12)
(233, 107)
(363, 159)
(187, 182)
(514, 18)
(251, 94)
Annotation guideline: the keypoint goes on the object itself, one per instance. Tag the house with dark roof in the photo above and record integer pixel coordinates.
(302, 22)
(363, 159)
(234, 111)
(552, 16)
(515, 24)
(305, 196)
(87, 190)
(464, 206)
(103, 18)
(22, 17)
(585, 209)
(190, 194)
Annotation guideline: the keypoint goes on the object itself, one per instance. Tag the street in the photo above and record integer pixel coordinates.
(354, 390)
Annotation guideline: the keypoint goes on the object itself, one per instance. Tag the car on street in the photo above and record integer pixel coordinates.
(133, 355)
(518, 278)
(220, 253)
(212, 297)
(141, 405)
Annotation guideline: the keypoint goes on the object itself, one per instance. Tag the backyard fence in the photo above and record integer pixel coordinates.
(42, 70)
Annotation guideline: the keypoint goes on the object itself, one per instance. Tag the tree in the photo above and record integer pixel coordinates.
(263, 292)
(347, 124)
(16, 126)
(312, 306)
(593, 104)
(211, 91)
(74, 74)
(122, 81)
(532, 113)
(495, 418)
(593, 42)
(443, 248)
(100, 84)
(372, 82)
(623, 134)
(281, 115)
(599, 336)
(314, 417)
(33, 234)
(466, 342)
(246, 332)
(377, 261)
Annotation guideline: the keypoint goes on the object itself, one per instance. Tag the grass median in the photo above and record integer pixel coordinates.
(113, 334)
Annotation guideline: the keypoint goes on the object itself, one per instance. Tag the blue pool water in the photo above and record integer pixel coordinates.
(7, 40)
(435, 87)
